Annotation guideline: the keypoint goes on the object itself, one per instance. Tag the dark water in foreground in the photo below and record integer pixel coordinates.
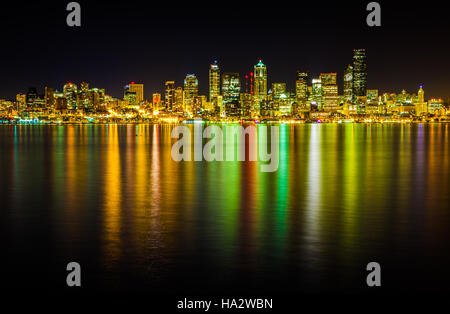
(112, 199)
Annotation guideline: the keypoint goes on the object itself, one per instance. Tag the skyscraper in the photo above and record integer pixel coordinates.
(278, 89)
(190, 92)
(49, 98)
(330, 91)
(260, 87)
(359, 72)
(421, 105)
(231, 89)
(301, 90)
(156, 100)
(169, 95)
(70, 93)
(317, 93)
(139, 90)
(179, 99)
(348, 84)
(129, 96)
(214, 81)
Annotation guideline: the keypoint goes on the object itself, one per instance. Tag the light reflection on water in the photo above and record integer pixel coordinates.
(111, 197)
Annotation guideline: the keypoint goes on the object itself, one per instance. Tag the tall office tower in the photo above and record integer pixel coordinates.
(83, 97)
(421, 94)
(169, 95)
(190, 92)
(49, 98)
(330, 91)
(178, 104)
(129, 96)
(231, 89)
(317, 93)
(421, 105)
(97, 99)
(348, 84)
(70, 93)
(214, 81)
(359, 72)
(21, 100)
(278, 89)
(139, 90)
(301, 90)
(260, 88)
(156, 100)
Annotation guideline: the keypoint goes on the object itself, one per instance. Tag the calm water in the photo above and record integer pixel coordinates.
(111, 198)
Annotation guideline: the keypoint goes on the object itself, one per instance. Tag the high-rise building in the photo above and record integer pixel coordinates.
(156, 100)
(348, 85)
(421, 105)
(278, 89)
(214, 81)
(179, 100)
(139, 90)
(129, 96)
(317, 93)
(21, 100)
(372, 101)
(330, 91)
(231, 89)
(169, 95)
(359, 72)
(190, 92)
(301, 90)
(70, 93)
(260, 87)
(49, 98)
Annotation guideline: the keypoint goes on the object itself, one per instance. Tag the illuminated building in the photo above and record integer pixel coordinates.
(21, 100)
(360, 77)
(317, 93)
(231, 89)
(214, 81)
(260, 87)
(284, 105)
(169, 95)
(190, 92)
(421, 104)
(435, 105)
(70, 93)
(83, 97)
(49, 98)
(330, 91)
(156, 100)
(97, 99)
(198, 105)
(178, 104)
(301, 89)
(359, 72)
(372, 101)
(278, 89)
(129, 96)
(246, 100)
(348, 85)
(139, 90)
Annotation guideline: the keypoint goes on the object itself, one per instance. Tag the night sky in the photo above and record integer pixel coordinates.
(151, 43)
